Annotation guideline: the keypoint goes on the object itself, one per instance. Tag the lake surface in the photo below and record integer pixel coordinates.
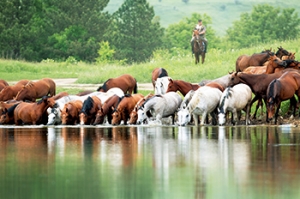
(149, 162)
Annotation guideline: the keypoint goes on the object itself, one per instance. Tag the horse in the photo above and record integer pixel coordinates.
(134, 113)
(124, 108)
(158, 73)
(272, 63)
(161, 85)
(187, 98)
(9, 92)
(3, 84)
(70, 112)
(223, 81)
(258, 84)
(125, 82)
(234, 99)
(282, 52)
(161, 106)
(33, 90)
(31, 112)
(182, 86)
(256, 59)
(106, 109)
(199, 47)
(89, 110)
(281, 89)
(7, 114)
(204, 101)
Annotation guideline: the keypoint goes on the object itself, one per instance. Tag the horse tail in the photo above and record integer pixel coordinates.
(135, 89)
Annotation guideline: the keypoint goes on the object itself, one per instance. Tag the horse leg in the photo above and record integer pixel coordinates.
(277, 110)
(196, 119)
(248, 114)
(204, 115)
(257, 106)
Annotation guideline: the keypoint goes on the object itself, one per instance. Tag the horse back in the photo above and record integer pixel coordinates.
(51, 84)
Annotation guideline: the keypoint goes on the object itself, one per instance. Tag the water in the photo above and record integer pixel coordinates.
(150, 162)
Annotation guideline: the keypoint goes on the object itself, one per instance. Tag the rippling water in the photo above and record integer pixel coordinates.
(150, 162)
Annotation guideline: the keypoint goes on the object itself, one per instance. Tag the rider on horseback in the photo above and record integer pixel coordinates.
(202, 30)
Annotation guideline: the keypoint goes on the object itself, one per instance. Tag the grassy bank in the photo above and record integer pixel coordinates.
(180, 66)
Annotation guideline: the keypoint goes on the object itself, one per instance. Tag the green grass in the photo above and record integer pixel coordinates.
(223, 13)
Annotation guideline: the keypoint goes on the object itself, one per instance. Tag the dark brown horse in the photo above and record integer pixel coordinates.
(124, 108)
(9, 92)
(256, 59)
(258, 84)
(125, 82)
(182, 86)
(3, 84)
(282, 52)
(70, 112)
(89, 110)
(134, 115)
(158, 73)
(281, 89)
(7, 114)
(31, 112)
(34, 90)
(199, 47)
(107, 109)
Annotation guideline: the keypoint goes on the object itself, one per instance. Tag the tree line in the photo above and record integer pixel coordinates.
(35, 30)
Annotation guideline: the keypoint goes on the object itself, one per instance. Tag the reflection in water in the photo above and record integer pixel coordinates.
(150, 162)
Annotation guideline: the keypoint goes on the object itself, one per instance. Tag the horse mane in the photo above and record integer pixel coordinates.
(104, 86)
(30, 83)
(120, 99)
(87, 105)
(228, 93)
(163, 73)
(42, 100)
(272, 90)
(10, 110)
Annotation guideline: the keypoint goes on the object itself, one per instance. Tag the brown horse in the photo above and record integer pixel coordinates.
(272, 64)
(70, 112)
(182, 86)
(256, 59)
(281, 89)
(7, 114)
(33, 90)
(89, 110)
(133, 115)
(31, 112)
(9, 92)
(124, 108)
(282, 52)
(107, 109)
(158, 73)
(3, 84)
(199, 47)
(125, 82)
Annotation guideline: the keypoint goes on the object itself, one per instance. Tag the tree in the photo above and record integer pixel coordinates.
(264, 24)
(179, 35)
(135, 32)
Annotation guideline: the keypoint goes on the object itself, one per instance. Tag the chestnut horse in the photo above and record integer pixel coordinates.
(256, 59)
(281, 89)
(199, 47)
(158, 73)
(134, 113)
(70, 112)
(258, 84)
(3, 84)
(7, 114)
(124, 108)
(89, 110)
(31, 112)
(107, 109)
(33, 90)
(125, 82)
(182, 86)
(9, 92)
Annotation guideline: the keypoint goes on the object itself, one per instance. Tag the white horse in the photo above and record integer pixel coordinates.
(223, 81)
(161, 106)
(234, 99)
(161, 85)
(54, 116)
(204, 102)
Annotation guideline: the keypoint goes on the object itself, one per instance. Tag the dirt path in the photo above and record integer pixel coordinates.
(70, 83)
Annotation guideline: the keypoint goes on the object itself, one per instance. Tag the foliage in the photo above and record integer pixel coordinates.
(179, 34)
(264, 24)
(134, 32)
(105, 53)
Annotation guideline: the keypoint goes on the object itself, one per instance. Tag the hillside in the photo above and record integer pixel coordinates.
(223, 13)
